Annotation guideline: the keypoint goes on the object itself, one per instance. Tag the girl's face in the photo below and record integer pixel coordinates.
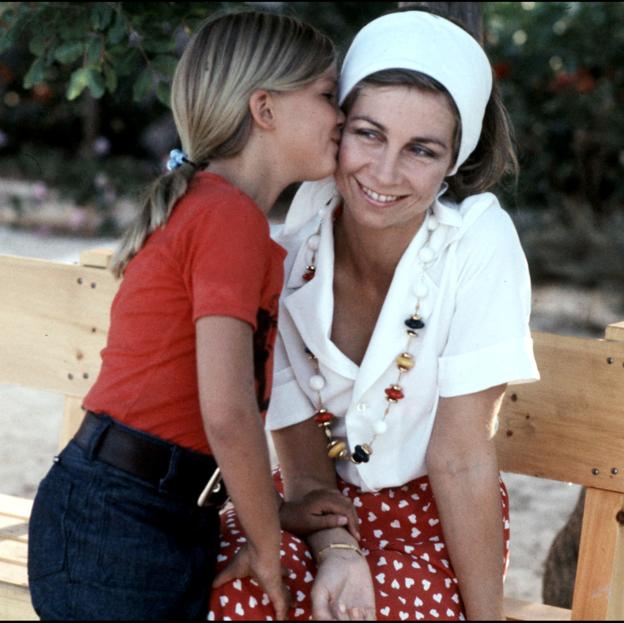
(309, 126)
(396, 150)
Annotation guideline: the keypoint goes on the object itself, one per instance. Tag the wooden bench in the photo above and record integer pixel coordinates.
(568, 427)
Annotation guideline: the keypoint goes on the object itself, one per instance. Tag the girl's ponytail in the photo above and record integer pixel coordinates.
(156, 207)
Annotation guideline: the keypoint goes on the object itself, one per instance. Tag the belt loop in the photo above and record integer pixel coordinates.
(174, 460)
(104, 422)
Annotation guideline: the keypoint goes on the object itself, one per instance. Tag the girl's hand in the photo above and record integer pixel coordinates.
(343, 588)
(318, 510)
(268, 572)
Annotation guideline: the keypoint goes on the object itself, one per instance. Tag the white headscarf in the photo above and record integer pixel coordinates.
(421, 42)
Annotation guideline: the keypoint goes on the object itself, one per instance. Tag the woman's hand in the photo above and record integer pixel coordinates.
(248, 563)
(318, 510)
(343, 588)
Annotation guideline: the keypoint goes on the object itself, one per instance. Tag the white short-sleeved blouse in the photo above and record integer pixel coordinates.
(476, 336)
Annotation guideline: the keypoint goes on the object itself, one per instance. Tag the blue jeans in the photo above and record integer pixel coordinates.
(106, 545)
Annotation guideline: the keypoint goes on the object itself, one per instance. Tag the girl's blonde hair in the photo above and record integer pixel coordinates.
(226, 60)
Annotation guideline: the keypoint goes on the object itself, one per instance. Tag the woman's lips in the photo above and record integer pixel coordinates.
(379, 198)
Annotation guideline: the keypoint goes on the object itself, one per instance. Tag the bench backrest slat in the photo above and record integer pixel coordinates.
(570, 425)
(54, 320)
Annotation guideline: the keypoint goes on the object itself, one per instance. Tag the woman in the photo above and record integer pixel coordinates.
(404, 316)
(126, 523)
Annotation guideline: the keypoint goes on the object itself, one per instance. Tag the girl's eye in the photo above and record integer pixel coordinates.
(331, 96)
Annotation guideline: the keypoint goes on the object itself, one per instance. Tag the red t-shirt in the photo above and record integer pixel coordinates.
(213, 257)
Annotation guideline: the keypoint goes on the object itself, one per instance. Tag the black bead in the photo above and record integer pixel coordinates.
(360, 455)
(414, 323)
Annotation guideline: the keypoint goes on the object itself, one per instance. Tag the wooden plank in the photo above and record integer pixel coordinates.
(73, 414)
(569, 426)
(15, 506)
(596, 595)
(97, 258)
(15, 528)
(14, 552)
(519, 610)
(15, 604)
(615, 331)
(54, 318)
(15, 574)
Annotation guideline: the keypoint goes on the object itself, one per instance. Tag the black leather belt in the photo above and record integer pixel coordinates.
(175, 470)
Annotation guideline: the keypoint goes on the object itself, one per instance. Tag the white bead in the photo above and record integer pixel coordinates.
(432, 223)
(380, 427)
(317, 382)
(313, 242)
(421, 290)
(426, 254)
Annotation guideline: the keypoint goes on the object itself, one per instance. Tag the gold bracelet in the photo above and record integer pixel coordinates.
(355, 548)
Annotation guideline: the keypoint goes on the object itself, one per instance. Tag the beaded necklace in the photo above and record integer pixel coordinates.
(337, 448)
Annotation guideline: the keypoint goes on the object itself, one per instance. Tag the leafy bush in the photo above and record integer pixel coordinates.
(561, 69)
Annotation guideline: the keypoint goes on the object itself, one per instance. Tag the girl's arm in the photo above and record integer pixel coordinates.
(236, 435)
(463, 471)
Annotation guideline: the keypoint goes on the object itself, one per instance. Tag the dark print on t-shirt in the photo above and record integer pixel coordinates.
(263, 341)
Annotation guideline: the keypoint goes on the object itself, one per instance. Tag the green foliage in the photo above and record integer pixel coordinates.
(104, 43)
(101, 43)
(561, 70)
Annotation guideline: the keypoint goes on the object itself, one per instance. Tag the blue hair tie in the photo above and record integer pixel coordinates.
(176, 159)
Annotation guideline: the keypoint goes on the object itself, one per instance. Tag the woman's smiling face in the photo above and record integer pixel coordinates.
(396, 150)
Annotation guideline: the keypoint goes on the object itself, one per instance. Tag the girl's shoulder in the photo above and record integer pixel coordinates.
(212, 199)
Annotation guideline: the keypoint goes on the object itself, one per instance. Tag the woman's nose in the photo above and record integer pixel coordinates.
(385, 167)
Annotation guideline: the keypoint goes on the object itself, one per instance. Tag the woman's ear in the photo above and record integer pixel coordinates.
(262, 109)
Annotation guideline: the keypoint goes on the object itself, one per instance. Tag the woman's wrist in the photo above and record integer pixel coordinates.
(347, 548)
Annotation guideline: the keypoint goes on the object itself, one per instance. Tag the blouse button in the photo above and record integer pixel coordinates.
(361, 406)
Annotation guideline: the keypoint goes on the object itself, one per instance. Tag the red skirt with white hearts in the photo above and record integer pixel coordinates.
(404, 547)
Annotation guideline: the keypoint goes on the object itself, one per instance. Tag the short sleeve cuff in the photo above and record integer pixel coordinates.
(289, 405)
(511, 361)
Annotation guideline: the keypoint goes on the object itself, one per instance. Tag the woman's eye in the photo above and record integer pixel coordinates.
(330, 95)
(418, 150)
(366, 133)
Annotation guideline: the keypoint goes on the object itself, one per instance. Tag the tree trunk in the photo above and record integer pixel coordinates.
(468, 13)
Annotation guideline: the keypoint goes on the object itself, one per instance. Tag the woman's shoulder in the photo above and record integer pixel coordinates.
(484, 222)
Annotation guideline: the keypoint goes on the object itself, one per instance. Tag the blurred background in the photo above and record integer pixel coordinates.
(85, 125)
(85, 122)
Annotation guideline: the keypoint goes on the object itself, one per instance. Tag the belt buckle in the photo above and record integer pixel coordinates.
(212, 486)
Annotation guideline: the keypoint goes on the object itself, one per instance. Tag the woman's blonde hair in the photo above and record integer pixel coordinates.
(227, 59)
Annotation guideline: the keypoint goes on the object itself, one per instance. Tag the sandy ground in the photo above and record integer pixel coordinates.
(30, 420)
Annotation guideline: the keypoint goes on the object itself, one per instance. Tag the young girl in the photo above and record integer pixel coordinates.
(126, 523)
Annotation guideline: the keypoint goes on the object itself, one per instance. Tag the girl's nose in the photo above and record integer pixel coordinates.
(340, 119)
